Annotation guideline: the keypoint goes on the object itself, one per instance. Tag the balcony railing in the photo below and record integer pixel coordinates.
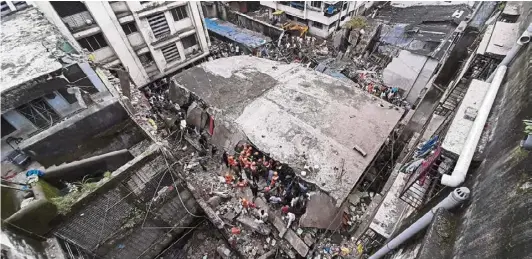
(79, 21)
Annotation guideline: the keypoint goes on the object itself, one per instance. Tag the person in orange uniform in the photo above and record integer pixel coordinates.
(228, 178)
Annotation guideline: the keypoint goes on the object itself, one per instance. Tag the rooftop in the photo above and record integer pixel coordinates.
(299, 116)
(243, 36)
(421, 29)
(31, 47)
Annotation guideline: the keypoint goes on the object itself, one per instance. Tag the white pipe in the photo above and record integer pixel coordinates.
(454, 199)
(464, 161)
(523, 40)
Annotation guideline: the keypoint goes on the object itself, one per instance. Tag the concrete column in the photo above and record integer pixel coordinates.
(144, 29)
(200, 32)
(93, 77)
(117, 39)
(11, 6)
(60, 105)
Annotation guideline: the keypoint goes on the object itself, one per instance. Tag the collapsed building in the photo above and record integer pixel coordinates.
(328, 132)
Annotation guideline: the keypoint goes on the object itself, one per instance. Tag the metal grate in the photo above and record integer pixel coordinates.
(424, 183)
(79, 21)
(39, 113)
(371, 241)
(170, 52)
(159, 25)
(72, 250)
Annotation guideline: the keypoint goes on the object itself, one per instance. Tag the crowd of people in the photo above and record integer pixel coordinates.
(267, 178)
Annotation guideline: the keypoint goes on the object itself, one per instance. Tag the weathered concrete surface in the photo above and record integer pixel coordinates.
(461, 125)
(321, 213)
(503, 38)
(497, 222)
(101, 128)
(409, 72)
(438, 241)
(289, 235)
(74, 171)
(298, 116)
(31, 47)
(391, 208)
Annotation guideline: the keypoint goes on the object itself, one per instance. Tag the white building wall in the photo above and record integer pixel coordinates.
(111, 29)
(317, 15)
(125, 49)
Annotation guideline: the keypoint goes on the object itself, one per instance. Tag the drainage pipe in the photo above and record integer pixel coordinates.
(454, 199)
(523, 40)
(458, 175)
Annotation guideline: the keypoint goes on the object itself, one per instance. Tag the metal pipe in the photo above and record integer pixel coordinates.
(523, 40)
(466, 155)
(454, 199)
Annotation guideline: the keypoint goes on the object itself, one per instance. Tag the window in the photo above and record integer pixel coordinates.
(316, 4)
(158, 25)
(67, 8)
(129, 28)
(189, 41)
(170, 52)
(146, 59)
(344, 7)
(39, 113)
(179, 13)
(5, 7)
(7, 128)
(317, 25)
(93, 43)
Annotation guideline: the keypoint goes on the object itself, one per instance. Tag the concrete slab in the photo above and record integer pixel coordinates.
(390, 209)
(503, 38)
(297, 115)
(485, 40)
(296, 242)
(460, 126)
(321, 213)
(257, 227)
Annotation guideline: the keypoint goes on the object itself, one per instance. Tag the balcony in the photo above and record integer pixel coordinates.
(78, 22)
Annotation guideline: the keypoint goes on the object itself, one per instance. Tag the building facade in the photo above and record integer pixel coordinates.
(322, 17)
(148, 39)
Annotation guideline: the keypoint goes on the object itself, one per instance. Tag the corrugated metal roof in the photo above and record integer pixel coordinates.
(243, 36)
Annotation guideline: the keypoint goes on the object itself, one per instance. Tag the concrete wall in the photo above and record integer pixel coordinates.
(98, 129)
(497, 222)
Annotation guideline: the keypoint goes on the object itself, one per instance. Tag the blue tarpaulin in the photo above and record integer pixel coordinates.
(243, 36)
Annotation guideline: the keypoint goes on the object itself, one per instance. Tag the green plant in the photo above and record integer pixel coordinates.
(528, 126)
(357, 22)
(84, 187)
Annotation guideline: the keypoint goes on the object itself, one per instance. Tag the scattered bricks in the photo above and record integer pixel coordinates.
(224, 252)
(257, 227)
(214, 201)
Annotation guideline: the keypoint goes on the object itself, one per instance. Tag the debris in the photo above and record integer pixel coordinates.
(235, 231)
(360, 150)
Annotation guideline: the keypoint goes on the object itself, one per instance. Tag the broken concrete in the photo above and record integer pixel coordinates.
(321, 213)
(252, 224)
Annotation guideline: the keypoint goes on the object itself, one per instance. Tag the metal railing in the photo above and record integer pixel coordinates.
(79, 21)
